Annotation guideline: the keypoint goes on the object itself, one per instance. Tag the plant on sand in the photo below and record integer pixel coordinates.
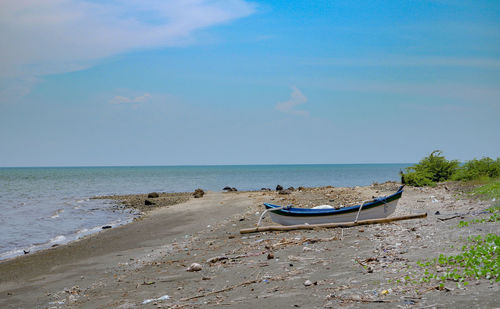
(480, 259)
(431, 169)
(485, 168)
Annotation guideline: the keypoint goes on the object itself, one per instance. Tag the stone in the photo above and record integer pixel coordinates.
(148, 202)
(308, 283)
(279, 188)
(153, 195)
(194, 267)
(198, 193)
(285, 191)
(227, 189)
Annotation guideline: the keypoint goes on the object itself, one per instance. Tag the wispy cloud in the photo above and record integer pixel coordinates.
(289, 107)
(56, 36)
(130, 100)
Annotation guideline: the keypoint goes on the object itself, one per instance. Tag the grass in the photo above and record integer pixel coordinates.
(488, 191)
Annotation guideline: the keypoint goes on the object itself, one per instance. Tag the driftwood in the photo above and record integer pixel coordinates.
(328, 225)
(220, 291)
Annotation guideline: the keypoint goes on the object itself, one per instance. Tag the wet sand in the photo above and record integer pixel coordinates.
(147, 259)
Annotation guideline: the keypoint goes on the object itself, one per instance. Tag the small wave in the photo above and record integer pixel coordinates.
(58, 239)
(56, 213)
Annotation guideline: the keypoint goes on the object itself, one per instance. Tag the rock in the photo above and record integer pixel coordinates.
(270, 256)
(301, 188)
(291, 189)
(234, 189)
(265, 189)
(148, 202)
(106, 227)
(153, 195)
(279, 188)
(308, 283)
(285, 191)
(194, 267)
(227, 189)
(198, 193)
(437, 213)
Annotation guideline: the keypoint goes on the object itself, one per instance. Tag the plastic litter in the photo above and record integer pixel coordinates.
(162, 298)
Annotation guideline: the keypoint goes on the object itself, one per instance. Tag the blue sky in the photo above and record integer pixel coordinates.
(237, 82)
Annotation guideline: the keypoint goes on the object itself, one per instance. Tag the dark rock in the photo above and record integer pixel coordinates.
(198, 193)
(270, 256)
(153, 195)
(26, 251)
(291, 189)
(437, 213)
(227, 189)
(285, 192)
(279, 188)
(106, 227)
(148, 202)
(265, 189)
(301, 188)
(234, 189)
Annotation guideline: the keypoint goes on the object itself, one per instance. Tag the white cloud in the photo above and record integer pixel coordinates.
(56, 36)
(130, 100)
(289, 107)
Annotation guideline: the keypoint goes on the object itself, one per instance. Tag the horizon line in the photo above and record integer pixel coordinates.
(199, 165)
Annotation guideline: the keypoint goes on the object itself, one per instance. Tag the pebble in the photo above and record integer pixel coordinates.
(194, 267)
(308, 283)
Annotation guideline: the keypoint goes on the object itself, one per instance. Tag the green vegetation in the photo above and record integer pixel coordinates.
(431, 169)
(436, 168)
(495, 216)
(488, 191)
(477, 169)
(478, 260)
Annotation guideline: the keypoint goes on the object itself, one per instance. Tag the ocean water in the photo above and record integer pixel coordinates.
(41, 207)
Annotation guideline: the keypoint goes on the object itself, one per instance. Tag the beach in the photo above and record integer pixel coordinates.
(144, 263)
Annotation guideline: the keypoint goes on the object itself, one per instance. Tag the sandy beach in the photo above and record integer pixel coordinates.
(144, 263)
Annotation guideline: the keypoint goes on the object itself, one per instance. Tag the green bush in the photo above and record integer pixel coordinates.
(431, 169)
(476, 169)
(418, 179)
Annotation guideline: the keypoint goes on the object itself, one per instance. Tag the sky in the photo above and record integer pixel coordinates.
(195, 82)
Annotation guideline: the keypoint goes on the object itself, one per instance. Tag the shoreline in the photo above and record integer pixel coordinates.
(121, 203)
(147, 258)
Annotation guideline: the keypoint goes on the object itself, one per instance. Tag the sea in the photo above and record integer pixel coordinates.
(45, 206)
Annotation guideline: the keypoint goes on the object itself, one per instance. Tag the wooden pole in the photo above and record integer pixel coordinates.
(328, 225)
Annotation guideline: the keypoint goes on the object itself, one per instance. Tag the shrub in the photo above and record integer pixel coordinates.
(476, 169)
(431, 169)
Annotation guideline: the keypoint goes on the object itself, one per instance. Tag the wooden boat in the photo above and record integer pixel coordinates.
(377, 208)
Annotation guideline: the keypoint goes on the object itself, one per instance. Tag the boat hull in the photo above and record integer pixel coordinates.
(376, 209)
(374, 213)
